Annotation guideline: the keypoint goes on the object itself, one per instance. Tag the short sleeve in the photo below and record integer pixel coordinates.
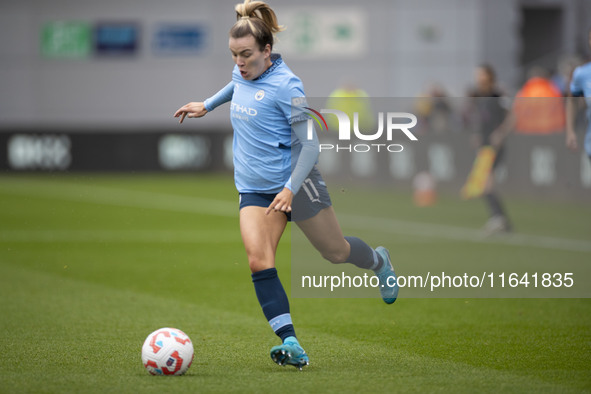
(291, 100)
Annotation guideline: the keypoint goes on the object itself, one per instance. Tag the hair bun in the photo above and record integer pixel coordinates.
(258, 10)
(258, 19)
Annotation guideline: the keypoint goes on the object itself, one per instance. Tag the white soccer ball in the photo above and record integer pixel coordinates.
(167, 351)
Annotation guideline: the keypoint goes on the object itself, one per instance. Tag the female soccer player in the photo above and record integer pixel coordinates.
(261, 93)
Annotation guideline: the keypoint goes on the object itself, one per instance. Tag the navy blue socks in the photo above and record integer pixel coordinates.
(274, 302)
(273, 299)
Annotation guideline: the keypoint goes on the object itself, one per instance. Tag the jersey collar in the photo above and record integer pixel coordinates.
(276, 61)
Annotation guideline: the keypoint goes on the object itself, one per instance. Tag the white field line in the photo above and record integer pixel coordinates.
(206, 206)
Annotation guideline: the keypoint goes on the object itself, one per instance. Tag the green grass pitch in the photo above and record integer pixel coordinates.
(91, 264)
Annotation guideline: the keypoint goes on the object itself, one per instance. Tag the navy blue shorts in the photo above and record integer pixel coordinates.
(311, 199)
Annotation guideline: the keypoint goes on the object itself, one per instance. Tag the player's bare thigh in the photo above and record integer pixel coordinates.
(261, 234)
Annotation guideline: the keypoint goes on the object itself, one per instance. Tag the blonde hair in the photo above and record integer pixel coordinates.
(256, 18)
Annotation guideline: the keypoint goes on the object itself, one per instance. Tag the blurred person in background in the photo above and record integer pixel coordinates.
(434, 111)
(351, 99)
(538, 109)
(487, 111)
(580, 86)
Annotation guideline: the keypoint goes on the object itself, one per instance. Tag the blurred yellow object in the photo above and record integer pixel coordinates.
(476, 182)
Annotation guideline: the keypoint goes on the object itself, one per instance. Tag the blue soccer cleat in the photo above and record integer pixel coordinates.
(388, 288)
(290, 353)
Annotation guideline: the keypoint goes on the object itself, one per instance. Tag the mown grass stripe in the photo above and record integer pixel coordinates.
(206, 206)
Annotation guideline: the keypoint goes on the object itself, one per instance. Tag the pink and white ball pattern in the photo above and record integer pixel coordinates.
(167, 351)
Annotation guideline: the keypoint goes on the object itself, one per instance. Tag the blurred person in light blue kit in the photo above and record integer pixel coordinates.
(580, 86)
(268, 137)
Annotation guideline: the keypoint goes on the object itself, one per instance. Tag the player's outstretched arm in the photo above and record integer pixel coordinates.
(191, 110)
(199, 109)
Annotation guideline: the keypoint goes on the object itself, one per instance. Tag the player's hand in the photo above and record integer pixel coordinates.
(191, 110)
(571, 141)
(282, 202)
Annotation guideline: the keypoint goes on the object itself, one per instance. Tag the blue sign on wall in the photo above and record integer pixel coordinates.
(179, 39)
(116, 38)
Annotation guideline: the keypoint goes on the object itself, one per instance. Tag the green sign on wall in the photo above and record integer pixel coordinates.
(67, 39)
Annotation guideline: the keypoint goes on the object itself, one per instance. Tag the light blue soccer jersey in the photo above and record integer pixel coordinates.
(581, 86)
(261, 114)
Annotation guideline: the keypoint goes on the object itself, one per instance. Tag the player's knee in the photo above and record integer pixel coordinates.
(335, 256)
(259, 263)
